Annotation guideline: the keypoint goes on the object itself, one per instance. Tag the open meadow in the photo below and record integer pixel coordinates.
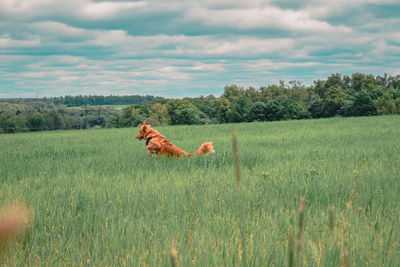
(99, 199)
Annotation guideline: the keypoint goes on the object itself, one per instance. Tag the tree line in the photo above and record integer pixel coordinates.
(80, 100)
(338, 95)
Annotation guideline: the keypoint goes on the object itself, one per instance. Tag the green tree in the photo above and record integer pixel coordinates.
(116, 120)
(361, 81)
(363, 105)
(252, 95)
(173, 105)
(159, 115)
(9, 123)
(289, 109)
(36, 122)
(315, 108)
(272, 111)
(144, 109)
(335, 80)
(239, 110)
(186, 114)
(332, 101)
(96, 120)
(223, 108)
(386, 105)
(232, 92)
(257, 112)
(397, 102)
(273, 92)
(53, 120)
(132, 117)
(208, 106)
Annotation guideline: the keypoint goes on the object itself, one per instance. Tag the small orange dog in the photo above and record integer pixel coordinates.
(157, 144)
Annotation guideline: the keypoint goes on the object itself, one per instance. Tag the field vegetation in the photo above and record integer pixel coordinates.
(98, 198)
(338, 95)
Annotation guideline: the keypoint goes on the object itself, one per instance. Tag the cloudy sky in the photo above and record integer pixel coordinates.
(188, 48)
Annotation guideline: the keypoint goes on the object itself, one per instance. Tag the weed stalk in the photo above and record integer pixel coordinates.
(331, 218)
(300, 225)
(236, 158)
(290, 250)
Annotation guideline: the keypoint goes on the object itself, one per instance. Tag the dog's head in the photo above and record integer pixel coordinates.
(143, 131)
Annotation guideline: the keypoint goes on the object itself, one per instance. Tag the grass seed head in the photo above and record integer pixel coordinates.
(346, 259)
(173, 254)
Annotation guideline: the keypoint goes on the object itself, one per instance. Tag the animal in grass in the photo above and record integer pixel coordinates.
(157, 144)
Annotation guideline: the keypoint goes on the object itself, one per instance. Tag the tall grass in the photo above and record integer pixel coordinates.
(98, 198)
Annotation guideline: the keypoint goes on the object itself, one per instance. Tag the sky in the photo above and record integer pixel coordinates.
(189, 48)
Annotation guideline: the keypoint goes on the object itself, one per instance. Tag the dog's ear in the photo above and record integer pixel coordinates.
(144, 126)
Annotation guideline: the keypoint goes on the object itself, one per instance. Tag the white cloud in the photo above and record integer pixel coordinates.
(167, 47)
(382, 48)
(321, 9)
(262, 19)
(104, 10)
(60, 31)
(27, 10)
(7, 42)
(111, 38)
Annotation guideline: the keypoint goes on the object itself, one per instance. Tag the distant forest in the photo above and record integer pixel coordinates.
(76, 101)
(338, 95)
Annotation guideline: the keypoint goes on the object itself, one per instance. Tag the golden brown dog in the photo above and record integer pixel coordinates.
(157, 144)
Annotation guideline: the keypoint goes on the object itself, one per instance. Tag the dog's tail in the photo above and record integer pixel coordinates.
(205, 148)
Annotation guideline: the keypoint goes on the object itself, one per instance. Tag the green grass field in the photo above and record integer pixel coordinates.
(98, 196)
